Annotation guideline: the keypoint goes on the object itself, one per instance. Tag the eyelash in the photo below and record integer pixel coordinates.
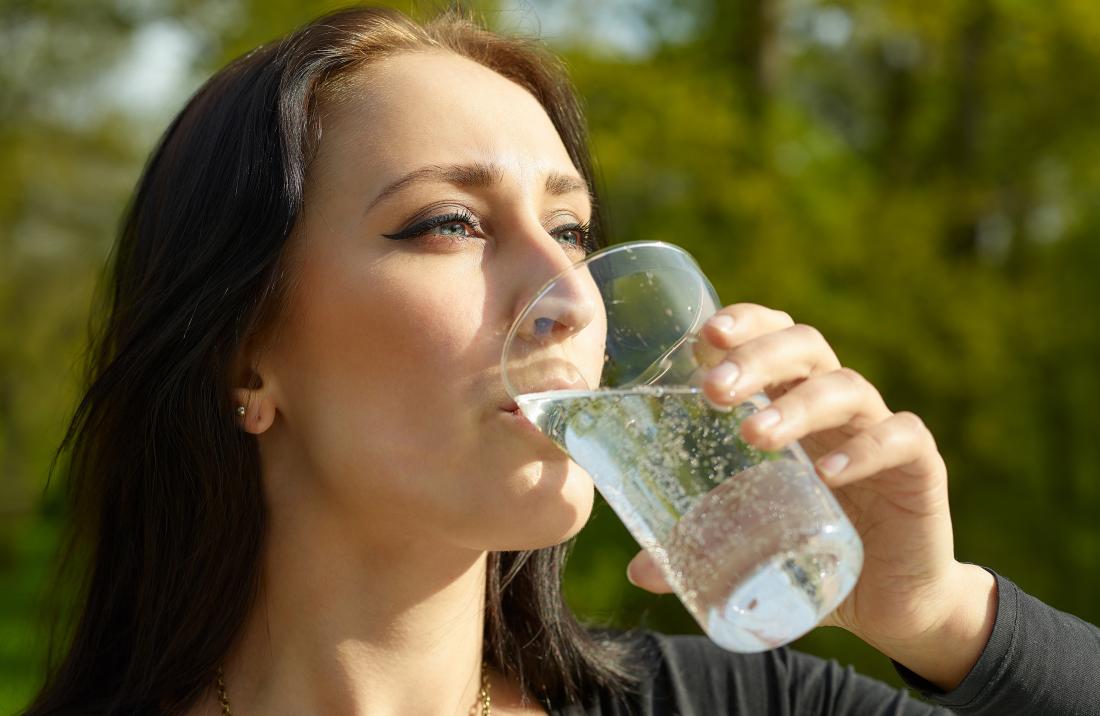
(464, 217)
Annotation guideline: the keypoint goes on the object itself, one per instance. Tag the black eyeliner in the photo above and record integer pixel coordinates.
(423, 227)
(428, 224)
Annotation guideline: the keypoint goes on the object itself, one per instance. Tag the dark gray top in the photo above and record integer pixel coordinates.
(1038, 661)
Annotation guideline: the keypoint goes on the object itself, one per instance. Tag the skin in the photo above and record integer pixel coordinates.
(390, 469)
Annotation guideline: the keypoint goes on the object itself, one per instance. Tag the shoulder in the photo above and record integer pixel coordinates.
(680, 655)
(689, 674)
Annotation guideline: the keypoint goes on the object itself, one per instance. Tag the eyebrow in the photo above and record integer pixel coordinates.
(478, 176)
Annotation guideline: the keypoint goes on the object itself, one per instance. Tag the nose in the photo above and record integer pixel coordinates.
(563, 310)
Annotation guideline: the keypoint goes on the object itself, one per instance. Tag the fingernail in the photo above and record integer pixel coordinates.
(723, 323)
(766, 419)
(725, 375)
(832, 464)
(629, 578)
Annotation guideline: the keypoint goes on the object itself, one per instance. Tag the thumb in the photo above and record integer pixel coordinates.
(644, 573)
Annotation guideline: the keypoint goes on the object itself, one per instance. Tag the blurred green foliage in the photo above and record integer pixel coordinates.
(919, 180)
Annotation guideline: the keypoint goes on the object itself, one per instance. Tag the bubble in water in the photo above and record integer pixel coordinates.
(724, 536)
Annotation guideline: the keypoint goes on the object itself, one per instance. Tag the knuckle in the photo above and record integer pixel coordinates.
(783, 318)
(910, 421)
(918, 429)
(853, 378)
(808, 332)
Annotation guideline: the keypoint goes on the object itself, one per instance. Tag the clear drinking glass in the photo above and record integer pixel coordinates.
(606, 361)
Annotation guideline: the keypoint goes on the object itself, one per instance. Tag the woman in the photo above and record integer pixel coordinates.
(293, 465)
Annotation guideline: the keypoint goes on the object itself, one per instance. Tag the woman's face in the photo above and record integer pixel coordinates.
(384, 374)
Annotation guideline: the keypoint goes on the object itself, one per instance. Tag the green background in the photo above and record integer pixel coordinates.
(920, 180)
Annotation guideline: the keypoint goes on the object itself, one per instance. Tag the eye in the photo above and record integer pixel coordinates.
(453, 228)
(455, 225)
(577, 235)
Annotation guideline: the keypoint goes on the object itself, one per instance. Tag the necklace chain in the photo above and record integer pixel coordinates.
(484, 695)
(222, 696)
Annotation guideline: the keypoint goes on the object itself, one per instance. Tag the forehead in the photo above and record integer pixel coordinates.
(421, 108)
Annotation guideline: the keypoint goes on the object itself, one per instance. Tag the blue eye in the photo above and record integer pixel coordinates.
(449, 228)
(577, 235)
(446, 223)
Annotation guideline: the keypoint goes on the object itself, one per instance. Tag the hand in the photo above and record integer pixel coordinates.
(885, 471)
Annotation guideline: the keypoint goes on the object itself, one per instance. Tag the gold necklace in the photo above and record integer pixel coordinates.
(483, 695)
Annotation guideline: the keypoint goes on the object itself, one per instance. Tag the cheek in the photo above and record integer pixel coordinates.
(407, 354)
(371, 364)
(383, 375)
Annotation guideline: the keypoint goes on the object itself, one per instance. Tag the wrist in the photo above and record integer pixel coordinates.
(945, 653)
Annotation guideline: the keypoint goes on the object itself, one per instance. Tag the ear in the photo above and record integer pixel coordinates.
(253, 393)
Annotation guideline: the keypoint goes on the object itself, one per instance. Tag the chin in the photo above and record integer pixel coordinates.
(552, 516)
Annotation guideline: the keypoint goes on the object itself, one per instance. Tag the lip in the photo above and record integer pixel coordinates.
(519, 418)
(510, 411)
(510, 406)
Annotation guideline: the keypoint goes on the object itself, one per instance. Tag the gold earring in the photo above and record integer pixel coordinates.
(240, 410)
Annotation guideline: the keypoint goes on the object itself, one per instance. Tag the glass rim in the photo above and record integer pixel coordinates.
(605, 251)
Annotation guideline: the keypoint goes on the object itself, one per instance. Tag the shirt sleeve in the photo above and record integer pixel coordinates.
(1038, 660)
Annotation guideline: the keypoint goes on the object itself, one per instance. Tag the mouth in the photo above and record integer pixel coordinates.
(543, 387)
(516, 417)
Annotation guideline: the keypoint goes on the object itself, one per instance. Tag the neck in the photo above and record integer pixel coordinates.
(339, 628)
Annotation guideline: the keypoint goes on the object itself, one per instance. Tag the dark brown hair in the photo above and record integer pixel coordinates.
(167, 509)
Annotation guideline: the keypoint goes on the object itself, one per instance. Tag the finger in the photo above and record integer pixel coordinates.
(773, 359)
(901, 442)
(840, 398)
(739, 322)
(644, 573)
(731, 326)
